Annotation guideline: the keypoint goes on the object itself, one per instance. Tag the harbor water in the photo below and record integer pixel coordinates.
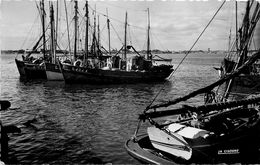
(63, 123)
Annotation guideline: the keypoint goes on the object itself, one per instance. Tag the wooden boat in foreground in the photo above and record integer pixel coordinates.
(225, 132)
(219, 132)
(227, 137)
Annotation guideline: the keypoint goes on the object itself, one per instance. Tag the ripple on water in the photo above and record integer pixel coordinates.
(87, 123)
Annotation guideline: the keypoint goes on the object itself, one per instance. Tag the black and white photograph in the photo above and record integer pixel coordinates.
(130, 82)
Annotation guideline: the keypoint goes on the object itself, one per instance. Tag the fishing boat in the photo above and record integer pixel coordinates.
(224, 132)
(244, 45)
(40, 62)
(31, 67)
(220, 131)
(98, 68)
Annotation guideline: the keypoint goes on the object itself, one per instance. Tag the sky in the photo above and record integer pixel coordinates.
(175, 24)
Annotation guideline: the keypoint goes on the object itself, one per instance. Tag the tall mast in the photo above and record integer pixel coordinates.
(43, 30)
(52, 44)
(229, 40)
(236, 29)
(67, 23)
(57, 22)
(148, 36)
(98, 43)
(108, 29)
(94, 35)
(86, 37)
(242, 48)
(76, 29)
(125, 35)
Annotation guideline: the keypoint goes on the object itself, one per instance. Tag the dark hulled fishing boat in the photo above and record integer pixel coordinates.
(44, 67)
(74, 74)
(30, 67)
(97, 68)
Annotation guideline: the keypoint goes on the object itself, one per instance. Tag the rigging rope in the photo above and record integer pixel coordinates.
(135, 39)
(105, 15)
(123, 8)
(30, 31)
(148, 107)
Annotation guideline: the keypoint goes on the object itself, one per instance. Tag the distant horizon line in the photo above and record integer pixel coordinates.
(16, 50)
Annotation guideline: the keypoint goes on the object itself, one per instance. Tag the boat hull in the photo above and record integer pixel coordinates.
(35, 71)
(226, 151)
(246, 84)
(53, 72)
(30, 70)
(142, 150)
(21, 67)
(173, 144)
(99, 76)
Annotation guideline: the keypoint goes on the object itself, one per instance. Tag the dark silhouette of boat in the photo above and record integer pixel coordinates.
(31, 67)
(75, 74)
(31, 70)
(98, 68)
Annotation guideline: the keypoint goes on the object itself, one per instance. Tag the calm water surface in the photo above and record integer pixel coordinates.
(86, 123)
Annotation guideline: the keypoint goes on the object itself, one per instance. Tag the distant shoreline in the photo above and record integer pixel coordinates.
(143, 51)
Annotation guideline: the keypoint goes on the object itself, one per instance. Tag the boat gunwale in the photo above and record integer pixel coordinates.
(152, 158)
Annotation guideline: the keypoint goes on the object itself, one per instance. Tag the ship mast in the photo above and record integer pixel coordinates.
(67, 24)
(148, 36)
(86, 37)
(243, 47)
(98, 38)
(108, 29)
(52, 44)
(124, 57)
(76, 29)
(57, 22)
(43, 29)
(93, 50)
(236, 29)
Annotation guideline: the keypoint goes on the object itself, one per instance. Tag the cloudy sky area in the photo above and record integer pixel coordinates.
(175, 25)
